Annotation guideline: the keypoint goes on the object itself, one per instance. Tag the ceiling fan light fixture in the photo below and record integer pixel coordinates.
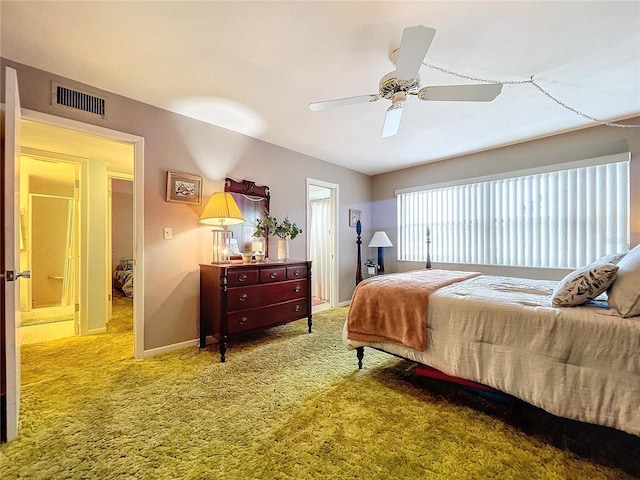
(398, 99)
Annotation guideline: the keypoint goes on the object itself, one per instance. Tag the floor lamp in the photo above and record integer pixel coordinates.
(381, 241)
(221, 210)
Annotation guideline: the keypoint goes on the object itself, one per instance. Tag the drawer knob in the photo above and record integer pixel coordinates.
(296, 273)
(242, 277)
(297, 289)
(273, 274)
(242, 320)
(243, 297)
(296, 308)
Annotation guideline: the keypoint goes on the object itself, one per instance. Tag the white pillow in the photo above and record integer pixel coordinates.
(611, 258)
(584, 284)
(624, 294)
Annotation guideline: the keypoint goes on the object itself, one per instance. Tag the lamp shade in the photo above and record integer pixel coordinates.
(380, 239)
(221, 210)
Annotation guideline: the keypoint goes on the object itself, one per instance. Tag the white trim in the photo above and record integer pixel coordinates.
(138, 246)
(97, 331)
(320, 308)
(138, 198)
(169, 348)
(120, 175)
(556, 167)
(335, 226)
(37, 154)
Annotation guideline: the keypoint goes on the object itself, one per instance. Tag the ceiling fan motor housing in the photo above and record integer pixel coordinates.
(390, 84)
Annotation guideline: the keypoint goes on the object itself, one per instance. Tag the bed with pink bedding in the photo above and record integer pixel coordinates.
(580, 362)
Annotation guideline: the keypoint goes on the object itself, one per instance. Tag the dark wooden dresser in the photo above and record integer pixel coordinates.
(239, 299)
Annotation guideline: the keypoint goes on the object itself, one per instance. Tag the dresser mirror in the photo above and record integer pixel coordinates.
(253, 201)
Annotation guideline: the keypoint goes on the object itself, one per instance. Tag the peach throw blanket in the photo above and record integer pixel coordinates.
(393, 308)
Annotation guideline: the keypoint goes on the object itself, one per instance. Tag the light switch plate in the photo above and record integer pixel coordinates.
(167, 233)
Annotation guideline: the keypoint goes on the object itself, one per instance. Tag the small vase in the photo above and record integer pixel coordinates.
(283, 249)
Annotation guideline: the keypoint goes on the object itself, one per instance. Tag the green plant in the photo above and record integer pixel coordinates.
(271, 226)
(264, 226)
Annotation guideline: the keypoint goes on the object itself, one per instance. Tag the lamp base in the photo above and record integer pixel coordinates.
(380, 261)
(221, 250)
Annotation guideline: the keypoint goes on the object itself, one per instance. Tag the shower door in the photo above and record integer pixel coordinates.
(51, 251)
(49, 238)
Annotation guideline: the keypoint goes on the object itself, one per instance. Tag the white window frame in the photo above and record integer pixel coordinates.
(529, 233)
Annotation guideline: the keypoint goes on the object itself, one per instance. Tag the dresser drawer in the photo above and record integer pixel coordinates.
(242, 277)
(275, 274)
(242, 298)
(258, 318)
(298, 271)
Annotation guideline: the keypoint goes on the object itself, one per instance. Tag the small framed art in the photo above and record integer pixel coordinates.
(184, 188)
(354, 216)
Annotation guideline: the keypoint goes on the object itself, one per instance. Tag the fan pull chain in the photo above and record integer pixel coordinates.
(537, 86)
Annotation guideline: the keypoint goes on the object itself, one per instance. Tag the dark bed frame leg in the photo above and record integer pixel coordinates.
(360, 355)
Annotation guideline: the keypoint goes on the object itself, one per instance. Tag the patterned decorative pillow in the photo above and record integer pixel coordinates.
(584, 284)
(127, 263)
(624, 294)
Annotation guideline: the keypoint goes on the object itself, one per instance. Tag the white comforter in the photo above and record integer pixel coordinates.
(574, 362)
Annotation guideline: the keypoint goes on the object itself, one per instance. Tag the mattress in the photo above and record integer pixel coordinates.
(574, 362)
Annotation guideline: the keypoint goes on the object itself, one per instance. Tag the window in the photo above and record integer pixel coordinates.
(564, 218)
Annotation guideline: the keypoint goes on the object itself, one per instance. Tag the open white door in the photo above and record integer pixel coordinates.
(11, 274)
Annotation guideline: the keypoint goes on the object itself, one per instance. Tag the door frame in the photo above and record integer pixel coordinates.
(138, 195)
(335, 234)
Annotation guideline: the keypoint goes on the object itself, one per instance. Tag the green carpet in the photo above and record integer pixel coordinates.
(286, 405)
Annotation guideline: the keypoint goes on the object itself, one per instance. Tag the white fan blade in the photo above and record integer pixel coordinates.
(394, 115)
(341, 102)
(484, 92)
(413, 48)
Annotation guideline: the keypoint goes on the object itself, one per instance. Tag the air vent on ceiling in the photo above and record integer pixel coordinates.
(79, 100)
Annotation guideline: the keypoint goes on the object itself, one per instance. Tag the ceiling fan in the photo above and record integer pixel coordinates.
(405, 80)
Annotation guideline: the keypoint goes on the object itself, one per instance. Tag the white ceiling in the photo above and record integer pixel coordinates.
(254, 67)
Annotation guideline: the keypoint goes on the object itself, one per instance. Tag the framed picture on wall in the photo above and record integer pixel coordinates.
(354, 216)
(184, 188)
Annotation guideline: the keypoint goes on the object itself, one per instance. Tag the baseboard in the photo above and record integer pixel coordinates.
(97, 331)
(170, 348)
(344, 304)
(320, 308)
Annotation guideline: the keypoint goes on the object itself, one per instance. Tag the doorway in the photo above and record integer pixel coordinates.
(49, 240)
(121, 244)
(322, 227)
(102, 153)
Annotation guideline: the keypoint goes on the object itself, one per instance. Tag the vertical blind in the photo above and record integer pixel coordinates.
(564, 219)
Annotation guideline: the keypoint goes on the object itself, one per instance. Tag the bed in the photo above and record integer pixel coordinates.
(123, 277)
(580, 362)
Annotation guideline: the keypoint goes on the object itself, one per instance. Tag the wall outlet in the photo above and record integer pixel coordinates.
(167, 233)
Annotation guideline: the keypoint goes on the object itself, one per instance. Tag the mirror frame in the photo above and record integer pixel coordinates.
(245, 191)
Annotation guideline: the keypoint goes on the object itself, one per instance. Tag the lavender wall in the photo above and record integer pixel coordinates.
(177, 143)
